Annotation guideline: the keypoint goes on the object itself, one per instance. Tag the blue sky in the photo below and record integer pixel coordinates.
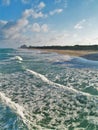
(48, 22)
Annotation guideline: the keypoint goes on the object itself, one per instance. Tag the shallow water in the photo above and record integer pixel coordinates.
(45, 91)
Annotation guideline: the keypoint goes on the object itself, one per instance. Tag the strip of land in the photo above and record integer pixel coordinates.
(88, 52)
(70, 52)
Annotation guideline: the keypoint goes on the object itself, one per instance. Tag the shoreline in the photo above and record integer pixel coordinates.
(70, 52)
(87, 54)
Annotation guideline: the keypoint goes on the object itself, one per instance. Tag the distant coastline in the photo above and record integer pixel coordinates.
(75, 47)
(89, 52)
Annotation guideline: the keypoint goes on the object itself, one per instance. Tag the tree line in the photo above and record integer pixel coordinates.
(75, 47)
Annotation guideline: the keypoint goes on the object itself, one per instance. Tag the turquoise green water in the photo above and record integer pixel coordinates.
(47, 91)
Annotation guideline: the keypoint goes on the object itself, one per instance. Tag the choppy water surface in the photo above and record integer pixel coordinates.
(46, 91)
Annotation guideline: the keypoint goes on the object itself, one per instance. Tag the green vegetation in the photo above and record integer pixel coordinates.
(76, 47)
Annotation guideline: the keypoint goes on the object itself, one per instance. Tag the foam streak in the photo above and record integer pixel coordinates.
(43, 78)
(16, 107)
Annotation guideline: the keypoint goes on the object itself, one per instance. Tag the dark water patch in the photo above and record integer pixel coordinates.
(93, 57)
(79, 62)
(6, 50)
(6, 53)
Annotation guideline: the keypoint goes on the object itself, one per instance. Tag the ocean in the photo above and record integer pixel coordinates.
(47, 91)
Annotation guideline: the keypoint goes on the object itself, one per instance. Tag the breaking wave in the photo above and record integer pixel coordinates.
(17, 109)
(56, 84)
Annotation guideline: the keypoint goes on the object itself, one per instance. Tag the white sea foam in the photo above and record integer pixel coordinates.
(18, 58)
(39, 75)
(43, 78)
(13, 105)
(93, 119)
(16, 107)
(59, 58)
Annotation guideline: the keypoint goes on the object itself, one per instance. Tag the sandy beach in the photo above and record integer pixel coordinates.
(71, 52)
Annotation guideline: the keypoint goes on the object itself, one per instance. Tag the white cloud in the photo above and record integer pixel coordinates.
(27, 13)
(54, 38)
(41, 5)
(23, 31)
(22, 22)
(6, 2)
(36, 27)
(80, 25)
(45, 28)
(2, 23)
(31, 13)
(75, 35)
(56, 11)
(40, 28)
(13, 29)
(38, 15)
(12, 33)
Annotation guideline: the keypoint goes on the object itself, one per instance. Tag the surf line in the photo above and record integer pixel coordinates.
(18, 59)
(17, 108)
(45, 79)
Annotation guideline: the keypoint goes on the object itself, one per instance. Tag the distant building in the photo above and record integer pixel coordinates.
(23, 46)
